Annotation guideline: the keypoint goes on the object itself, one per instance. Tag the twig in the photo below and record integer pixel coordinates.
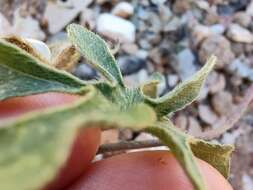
(230, 119)
(127, 145)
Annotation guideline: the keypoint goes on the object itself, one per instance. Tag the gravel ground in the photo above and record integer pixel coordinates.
(173, 37)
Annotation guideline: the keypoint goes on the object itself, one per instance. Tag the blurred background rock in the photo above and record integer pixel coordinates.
(173, 37)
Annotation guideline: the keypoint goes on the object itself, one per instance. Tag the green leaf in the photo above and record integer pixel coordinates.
(183, 94)
(150, 87)
(177, 141)
(22, 74)
(184, 146)
(215, 154)
(96, 52)
(34, 147)
(124, 98)
(26, 46)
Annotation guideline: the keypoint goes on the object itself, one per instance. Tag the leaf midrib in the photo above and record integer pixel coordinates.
(35, 77)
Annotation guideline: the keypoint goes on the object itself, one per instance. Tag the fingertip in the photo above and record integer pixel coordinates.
(145, 171)
(82, 152)
(84, 147)
(16, 106)
(212, 176)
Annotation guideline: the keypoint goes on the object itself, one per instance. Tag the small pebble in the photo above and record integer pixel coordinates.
(199, 33)
(5, 27)
(85, 72)
(222, 102)
(116, 28)
(241, 69)
(58, 37)
(247, 182)
(217, 29)
(242, 18)
(250, 9)
(239, 34)
(181, 121)
(215, 82)
(185, 67)
(194, 127)
(172, 80)
(130, 64)
(219, 46)
(225, 10)
(207, 115)
(123, 9)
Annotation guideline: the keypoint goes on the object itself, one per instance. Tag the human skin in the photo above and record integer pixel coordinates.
(134, 171)
(147, 170)
(84, 147)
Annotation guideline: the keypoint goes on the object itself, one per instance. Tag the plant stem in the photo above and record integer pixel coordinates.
(127, 145)
(227, 124)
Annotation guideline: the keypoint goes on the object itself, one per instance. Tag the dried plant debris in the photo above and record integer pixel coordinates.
(67, 59)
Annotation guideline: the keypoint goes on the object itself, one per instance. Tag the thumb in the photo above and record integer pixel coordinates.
(84, 147)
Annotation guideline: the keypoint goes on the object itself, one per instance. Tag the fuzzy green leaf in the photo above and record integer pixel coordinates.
(184, 146)
(25, 45)
(183, 94)
(215, 154)
(96, 52)
(123, 97)
(22, 74)
(34, 147)
(150, 87)
(177, 141)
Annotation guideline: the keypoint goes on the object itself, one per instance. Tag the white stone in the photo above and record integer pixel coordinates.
(27, 27)
(172, 80)
(185, 66)
(241, 69)
(199, 33)
(88, 17)
(145, 137)
(250, 9)
(142, 76)
(202, 4)
(59, 15)
(172, 25)
(123, 9)
(5, 27)
(207, 115)
(217, 45)
(161, 87)
(239, 34)
(247, 182)
(242, 18)
(203, 93)
(40, 47)
(194, 127)
(102, 1)
(143, 54)
(116, 28)
(158, 2)
(215, 82)
(217, 29)
(230, 138)
(130, 48)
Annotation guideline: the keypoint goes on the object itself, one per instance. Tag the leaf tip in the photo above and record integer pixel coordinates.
(210, 63)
